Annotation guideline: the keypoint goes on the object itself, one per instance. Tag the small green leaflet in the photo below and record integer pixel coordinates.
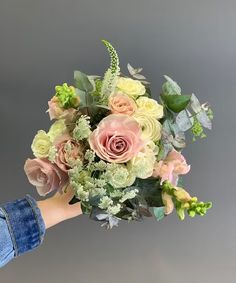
(159, 212)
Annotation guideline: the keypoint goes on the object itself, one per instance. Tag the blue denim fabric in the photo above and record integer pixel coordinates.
(22, 228)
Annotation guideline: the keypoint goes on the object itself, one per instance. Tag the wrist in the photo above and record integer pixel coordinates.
(52, 212)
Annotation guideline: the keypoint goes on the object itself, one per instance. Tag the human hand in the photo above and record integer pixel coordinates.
(57, 208)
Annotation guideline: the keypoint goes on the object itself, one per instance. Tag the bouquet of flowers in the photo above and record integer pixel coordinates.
(118, 148)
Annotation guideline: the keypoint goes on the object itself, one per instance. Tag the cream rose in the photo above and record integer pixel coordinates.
(151, 128)
(41, 144)
(133, 88)
(57, 129)
(150, 107)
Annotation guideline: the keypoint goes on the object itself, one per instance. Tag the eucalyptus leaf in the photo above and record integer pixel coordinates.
(179, 142)
(195, 104)
(183, 120)
(83, 82)
(139, 77)
(132, 70)
(170, 87)
(204, 119)
(176, 103)
(159, 212)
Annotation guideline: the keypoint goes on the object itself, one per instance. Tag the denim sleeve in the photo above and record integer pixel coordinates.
(22, 228)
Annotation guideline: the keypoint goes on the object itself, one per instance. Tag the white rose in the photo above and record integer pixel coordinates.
(58, 128)
(133, 88)
(151, 128)
(150, 107)
(41, 144)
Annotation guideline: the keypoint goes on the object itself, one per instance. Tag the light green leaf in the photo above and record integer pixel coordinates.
(159, 213)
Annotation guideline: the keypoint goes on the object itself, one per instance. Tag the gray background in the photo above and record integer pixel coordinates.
(41, 43)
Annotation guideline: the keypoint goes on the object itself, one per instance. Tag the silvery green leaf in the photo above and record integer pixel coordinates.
(139, 76)
(183, 121)
(131, 69)
(175, 128)
(179, 142)
(102, 216)
(170, 87)
(138, 70)
(204, 119)
(109, 220)
(145, 82)
(195, 104)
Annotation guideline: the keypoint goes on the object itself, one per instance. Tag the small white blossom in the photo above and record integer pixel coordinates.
(105, 202)
(129, 195)
(114, 209)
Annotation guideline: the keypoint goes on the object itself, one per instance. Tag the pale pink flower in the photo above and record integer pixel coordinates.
(117, 138)
(170, 168)
(68, 151)
(168, 202)
(120, 103)
(44, 175)
(57, 112)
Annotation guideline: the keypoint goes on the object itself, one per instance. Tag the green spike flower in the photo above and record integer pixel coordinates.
(110, 77)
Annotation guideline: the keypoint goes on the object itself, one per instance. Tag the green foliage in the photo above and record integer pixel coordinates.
(82, 82)
(197, 130)
(150, 190)
(175, 102)
(170, 87)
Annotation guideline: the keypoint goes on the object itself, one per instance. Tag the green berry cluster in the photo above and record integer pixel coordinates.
(197, 130)
(67, 96)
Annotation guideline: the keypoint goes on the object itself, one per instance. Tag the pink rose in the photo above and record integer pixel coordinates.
(57, 112)
(169, 169)
(46, 176)
(120, 103)
(64, 156)
(117, 138)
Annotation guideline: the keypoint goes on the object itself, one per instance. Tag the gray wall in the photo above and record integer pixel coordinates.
(41, 43)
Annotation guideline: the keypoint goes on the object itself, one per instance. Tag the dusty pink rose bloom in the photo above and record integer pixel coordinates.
(117, 138)
(66, 157)
(46, 176)
(120, 103)
(169, 169)
(57, 112)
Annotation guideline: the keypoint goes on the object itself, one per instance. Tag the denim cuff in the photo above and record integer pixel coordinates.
(25, 224)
